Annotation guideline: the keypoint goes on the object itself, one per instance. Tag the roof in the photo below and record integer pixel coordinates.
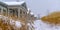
(22, 3)
(3, 4)
(14, 3)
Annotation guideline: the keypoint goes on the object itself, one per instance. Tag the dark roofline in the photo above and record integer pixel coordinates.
(24, 5)
(3, 4)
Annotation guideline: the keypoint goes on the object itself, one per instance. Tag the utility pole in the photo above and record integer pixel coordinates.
(47, 12)
(38, 16)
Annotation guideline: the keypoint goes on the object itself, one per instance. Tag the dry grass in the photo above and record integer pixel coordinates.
(53, 18)
(5, 26)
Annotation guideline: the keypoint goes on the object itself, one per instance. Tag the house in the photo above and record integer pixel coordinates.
(3, 9)
(14, 10)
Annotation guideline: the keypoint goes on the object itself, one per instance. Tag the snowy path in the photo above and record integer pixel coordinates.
(39, 25)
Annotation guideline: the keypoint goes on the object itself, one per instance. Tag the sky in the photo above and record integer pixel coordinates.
(41, 6)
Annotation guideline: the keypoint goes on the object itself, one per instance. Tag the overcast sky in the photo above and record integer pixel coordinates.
(41, 6)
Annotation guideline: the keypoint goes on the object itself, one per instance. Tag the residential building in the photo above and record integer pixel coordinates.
(14, 10)
(3, 9)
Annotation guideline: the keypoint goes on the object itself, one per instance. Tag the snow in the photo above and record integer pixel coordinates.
(40, 25)
(14, 3)
(32, 13)
(18, 24)
(29, 25)
(12, 22)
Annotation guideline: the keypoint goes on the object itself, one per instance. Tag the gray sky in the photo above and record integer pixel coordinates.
(41, 6)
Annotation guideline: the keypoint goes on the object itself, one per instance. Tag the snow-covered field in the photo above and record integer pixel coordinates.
(40, 25)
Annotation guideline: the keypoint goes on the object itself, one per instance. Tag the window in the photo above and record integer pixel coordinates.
(23, 12)
(10, 11)
(4, 11)
(13, 12)
(20, 11)
(0, 9)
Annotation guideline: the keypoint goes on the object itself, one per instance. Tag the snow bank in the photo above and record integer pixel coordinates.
(18, 24)
(15, 23)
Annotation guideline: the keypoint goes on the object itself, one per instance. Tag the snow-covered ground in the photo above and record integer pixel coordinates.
(40, 25)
